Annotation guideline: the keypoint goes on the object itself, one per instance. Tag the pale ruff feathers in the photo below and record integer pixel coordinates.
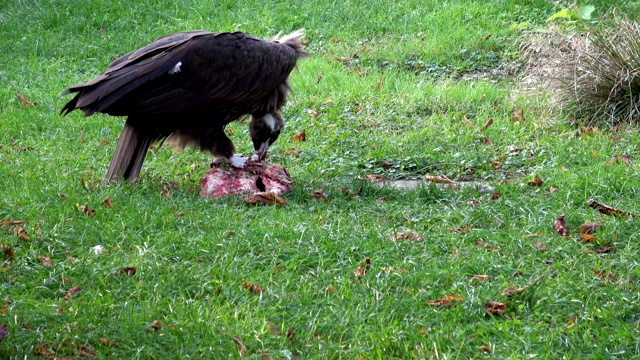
(270, 121)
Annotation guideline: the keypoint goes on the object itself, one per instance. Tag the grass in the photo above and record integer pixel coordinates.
(405, 89)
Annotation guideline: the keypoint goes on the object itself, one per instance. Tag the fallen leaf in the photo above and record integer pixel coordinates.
(495, 196)
(514, 290)
(406, 235)
(481, 278)
(45, 261)
(348, 193)
(25, 101)
(21, 233)
(588, 238)
(539, 245)
(320, 195)
(43, 351)
(291, 334)
(382, 199)
(438, 179)
(107, 203)
(375, 177)
(518, 115)
(329, 289)
(253, 288)
(292, 152)
(517, 273)
(266, 356)
(560, 226)
(319, 79)
(485, 348)
(495, 307)
(604, 249)
(362, 270)
(496, 164)
(447, 301)
(165, 192)
(605, 275)
(456, 253)
(128, 270)
(619, 159)
(3, 332)
(72, 292)
(608, 210)
(474, 202)
(486, 140)
(487, 124)
(588, 228)
(335, 40)
(12, 222)
(302, 136)
(264, 198)
(536, 181)
(241, 347)
(108, 342)
(464, 229)
(155, 325)
(86, 209)
(483, 244)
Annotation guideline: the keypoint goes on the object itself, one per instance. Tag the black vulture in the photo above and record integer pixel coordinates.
(187, 87)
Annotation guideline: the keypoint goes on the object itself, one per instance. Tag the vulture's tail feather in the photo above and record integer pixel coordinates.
(294, 40)
(130, 153)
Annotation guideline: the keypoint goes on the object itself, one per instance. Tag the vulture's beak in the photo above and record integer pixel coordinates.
(262, 151)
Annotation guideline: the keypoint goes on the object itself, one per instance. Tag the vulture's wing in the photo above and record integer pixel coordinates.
(191, 73)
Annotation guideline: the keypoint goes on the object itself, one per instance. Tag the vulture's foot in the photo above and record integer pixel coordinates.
(237, 161)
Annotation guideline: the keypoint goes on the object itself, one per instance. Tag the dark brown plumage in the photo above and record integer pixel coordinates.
(187, 86)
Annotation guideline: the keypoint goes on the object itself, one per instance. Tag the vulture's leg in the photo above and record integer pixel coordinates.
(130, 153)
(223, 148)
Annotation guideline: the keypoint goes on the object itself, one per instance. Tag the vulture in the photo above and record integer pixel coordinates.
(186, 87)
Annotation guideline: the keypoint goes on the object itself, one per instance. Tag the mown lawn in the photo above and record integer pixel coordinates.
(398, 89)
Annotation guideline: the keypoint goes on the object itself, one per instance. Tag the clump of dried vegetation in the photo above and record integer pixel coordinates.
(593, 73)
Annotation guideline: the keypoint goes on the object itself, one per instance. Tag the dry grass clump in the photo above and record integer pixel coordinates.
(595, 74)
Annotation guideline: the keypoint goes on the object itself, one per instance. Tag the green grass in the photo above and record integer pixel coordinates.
(408, 96)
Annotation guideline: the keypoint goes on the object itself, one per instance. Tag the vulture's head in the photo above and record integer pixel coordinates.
(264, 131)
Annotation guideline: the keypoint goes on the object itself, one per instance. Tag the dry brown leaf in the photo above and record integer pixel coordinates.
(619, 159)
(588, 228)
(474, 202)
(487, 124)
(588, 238)
(329, 289)
(71, 292)
(485, 348)
(464, 229)
(518, 115)
(481, 278)
(320, 195)
(514, 290)
(155, 325)
(128, 270)
(291, 334)
(406, 235)
(536, 181)
(495, 307)
(375, 177)
(447, 301)
(486, 140)
(496, 164)
(107, 202)
(482, 244)
(45, 261)
(292, 152)
(253, 288)
(109, 342)
(605, 275)
(560, 226)
(608, 210)
(439, 179)
(242, 349)
(319, 79)
(495, 196)
(362, 270)
(21, 233)
(9, 222)
(264, 198)
(3, 332)
(25, 101)
(86, 209)
(605, 249)
(302, 136)
(539, 245)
